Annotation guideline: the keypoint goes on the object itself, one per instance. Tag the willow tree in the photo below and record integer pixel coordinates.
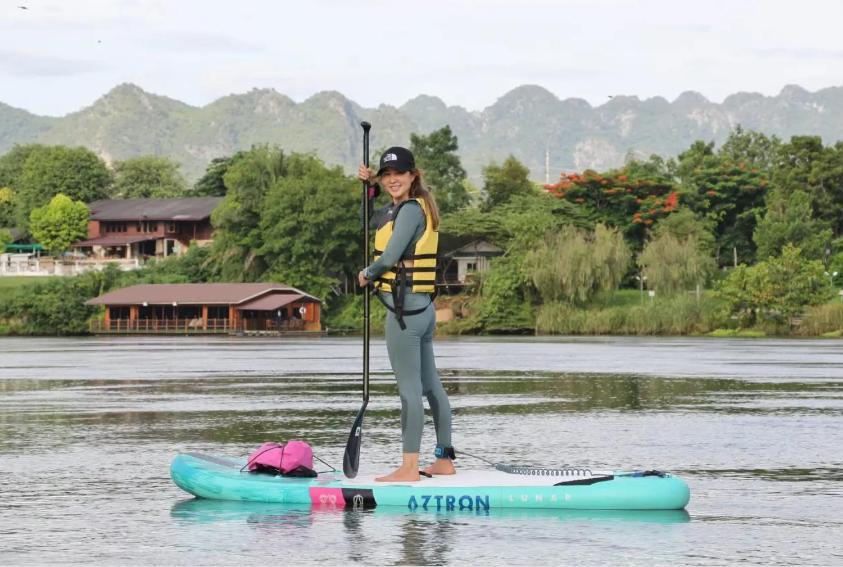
(671, 263)
(573, 264)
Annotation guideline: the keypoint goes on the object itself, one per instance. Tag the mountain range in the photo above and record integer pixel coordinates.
(528, 122)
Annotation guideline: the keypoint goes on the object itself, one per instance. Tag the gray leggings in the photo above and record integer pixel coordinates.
(411, 355)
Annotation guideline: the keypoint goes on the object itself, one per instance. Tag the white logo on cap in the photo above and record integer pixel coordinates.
(390, 157)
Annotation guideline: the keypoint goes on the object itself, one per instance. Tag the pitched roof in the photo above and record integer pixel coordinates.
(188, 209)
(193, 294)
(272, 301)
(450, 246)
(114, 240)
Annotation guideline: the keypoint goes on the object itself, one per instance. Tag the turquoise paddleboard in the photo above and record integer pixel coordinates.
(220, 478)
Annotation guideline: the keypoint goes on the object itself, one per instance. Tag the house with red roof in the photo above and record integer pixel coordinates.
(250, 308)
(131, 230)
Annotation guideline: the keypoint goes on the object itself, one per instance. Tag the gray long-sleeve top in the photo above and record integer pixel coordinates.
(407, 229)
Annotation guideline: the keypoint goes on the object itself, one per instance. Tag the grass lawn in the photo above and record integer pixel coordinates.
(14, 282)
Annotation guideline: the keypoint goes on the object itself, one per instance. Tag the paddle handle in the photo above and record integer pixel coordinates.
(366, 295)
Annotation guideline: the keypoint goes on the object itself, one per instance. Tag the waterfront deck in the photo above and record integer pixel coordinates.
(196, 326)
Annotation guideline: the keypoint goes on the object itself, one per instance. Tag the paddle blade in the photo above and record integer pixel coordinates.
(351, 458)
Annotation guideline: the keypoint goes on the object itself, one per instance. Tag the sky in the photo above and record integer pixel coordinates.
(58, 56)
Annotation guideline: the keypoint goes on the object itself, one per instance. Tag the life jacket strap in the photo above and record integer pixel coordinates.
(404, 313)
(398, 289)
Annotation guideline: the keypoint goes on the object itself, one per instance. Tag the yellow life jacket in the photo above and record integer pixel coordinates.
(420, 278)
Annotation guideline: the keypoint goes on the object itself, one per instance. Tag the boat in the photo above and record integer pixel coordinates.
(477, 491)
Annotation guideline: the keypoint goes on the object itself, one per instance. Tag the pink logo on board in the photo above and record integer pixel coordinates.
(331, 497)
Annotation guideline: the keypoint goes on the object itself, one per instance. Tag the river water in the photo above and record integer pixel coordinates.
(88, 427)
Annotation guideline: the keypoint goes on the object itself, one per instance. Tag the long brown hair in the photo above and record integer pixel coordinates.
(418, 190)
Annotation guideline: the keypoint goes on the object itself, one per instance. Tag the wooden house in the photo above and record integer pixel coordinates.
(135, 229)
(208, 308)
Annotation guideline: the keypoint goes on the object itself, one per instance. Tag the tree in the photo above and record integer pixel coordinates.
(679, 256)
(5, 238)
(672, 264)
(632, 199)
(12, 162)
(49, 170)
(751, 148)
(501, 182)
(8, 203)
(506, 302)
(56, 306)
(288, 218)
(776, 289)
(212, 183)
(148, 177)
(789, 220)
(725, 193)
(520, 223)
(804, 164)
(59, 224)
(436, 156)
(237, 219)
(506, 294)
(311, 227)
(573, 265)
(683, 224)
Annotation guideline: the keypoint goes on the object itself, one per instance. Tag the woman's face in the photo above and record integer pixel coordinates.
(397, 184)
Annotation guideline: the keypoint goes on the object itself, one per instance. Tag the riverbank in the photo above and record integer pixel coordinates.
(631, 312)
(55, 306)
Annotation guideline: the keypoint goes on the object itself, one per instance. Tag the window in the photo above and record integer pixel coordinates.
(114, 226)
(217, 312)
(171, 227)
(471, 266)
(118, 313)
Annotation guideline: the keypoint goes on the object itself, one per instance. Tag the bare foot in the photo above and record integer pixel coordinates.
(401, 474)
(441, 466)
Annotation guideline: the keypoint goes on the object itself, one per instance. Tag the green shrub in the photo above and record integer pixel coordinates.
(822, 319)
(678, 315)
(345, 314)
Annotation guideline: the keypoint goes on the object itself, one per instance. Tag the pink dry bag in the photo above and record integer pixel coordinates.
(293, 458)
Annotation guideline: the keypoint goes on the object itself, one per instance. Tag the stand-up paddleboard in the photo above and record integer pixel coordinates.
(221, 478)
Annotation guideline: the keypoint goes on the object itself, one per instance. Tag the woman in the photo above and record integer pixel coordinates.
(403, 274)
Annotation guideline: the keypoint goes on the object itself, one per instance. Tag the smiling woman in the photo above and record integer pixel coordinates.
(404, 276)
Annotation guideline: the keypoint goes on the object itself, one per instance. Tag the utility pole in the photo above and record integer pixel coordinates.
(546, 165)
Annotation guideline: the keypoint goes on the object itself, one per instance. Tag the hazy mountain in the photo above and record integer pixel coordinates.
(526, 122)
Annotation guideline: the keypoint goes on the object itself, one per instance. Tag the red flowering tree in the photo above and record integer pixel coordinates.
(628, 202)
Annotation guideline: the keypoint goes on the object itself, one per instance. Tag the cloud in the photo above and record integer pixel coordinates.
(20, 64)
(800, 53)
(184, 41)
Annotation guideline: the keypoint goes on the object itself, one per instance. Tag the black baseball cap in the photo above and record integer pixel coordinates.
(397, 158)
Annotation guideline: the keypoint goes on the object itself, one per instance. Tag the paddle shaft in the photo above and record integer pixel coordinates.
(366, 295)
(351, 458)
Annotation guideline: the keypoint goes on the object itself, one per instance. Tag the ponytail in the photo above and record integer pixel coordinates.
(419, 191)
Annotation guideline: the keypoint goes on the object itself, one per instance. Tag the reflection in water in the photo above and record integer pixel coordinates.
(201, 510)
(422, 538)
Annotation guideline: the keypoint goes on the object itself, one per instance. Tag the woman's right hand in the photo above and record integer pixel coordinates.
(367, 175)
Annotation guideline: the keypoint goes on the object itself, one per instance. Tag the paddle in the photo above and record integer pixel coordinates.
(351, 458)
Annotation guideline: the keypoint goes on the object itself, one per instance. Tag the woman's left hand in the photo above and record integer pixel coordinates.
(361, 279)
